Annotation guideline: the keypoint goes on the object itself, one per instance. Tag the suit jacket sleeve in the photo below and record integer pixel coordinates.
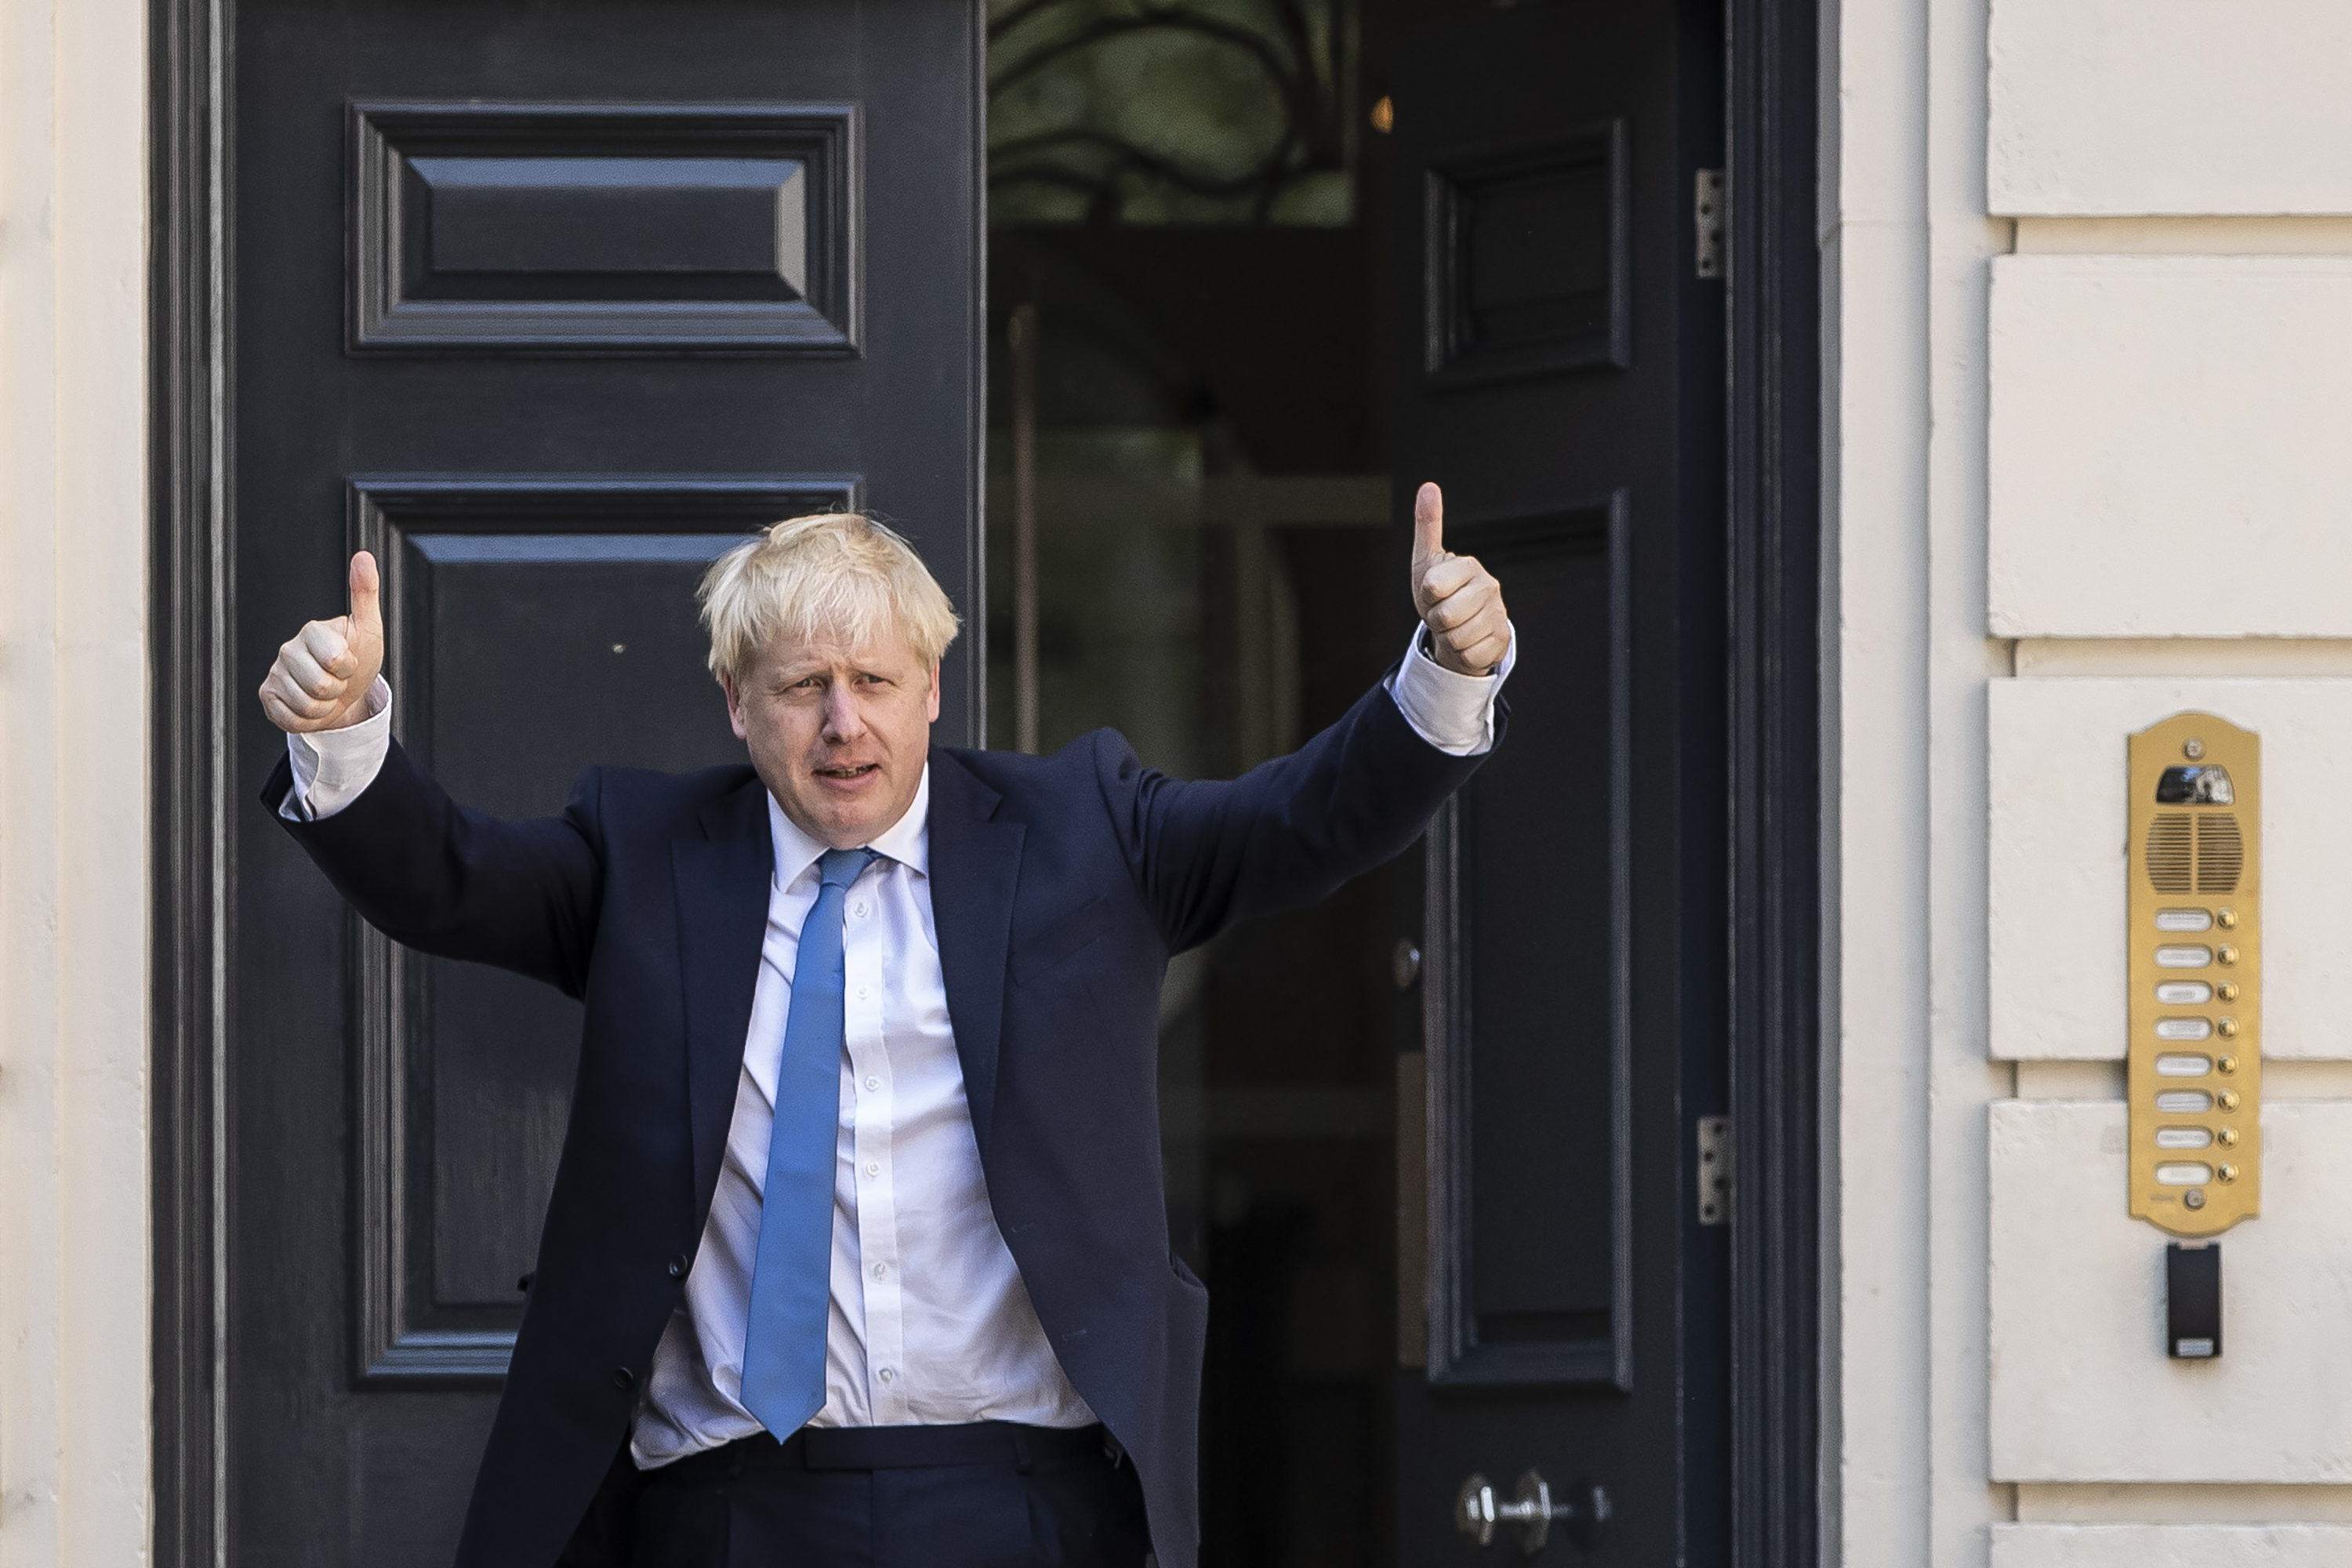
(445, 879)
(1286, 833)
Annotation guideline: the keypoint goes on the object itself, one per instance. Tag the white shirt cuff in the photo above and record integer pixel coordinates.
(332, 767)
(1455, 713)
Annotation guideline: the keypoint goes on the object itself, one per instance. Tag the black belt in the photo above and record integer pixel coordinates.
(891, 1448)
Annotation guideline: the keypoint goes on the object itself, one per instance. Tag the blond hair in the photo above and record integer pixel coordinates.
(829, 575)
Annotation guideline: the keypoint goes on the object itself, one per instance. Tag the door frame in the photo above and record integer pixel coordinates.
(1774, 753)
(1774, 756)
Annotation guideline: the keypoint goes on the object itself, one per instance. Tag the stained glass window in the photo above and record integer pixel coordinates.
(1171, 111)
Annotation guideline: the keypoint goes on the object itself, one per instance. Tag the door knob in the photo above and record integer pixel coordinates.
(1582, 1511)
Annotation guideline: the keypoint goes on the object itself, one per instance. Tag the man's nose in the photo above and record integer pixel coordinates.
(842, 719)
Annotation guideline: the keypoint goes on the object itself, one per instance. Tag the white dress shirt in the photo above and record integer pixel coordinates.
(929, 1322)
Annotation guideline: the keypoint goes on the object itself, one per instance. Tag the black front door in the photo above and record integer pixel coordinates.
(546, 304)
(1560, 368)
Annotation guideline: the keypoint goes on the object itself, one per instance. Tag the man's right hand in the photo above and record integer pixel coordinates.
(324, 673)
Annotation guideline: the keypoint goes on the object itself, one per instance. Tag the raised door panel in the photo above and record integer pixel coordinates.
(578, 595)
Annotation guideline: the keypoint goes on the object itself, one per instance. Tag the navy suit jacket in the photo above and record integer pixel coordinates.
(1059, 886)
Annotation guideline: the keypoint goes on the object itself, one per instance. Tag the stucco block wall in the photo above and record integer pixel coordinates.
(2165, 442)
(2081, 1388)
(2169, 106)
(2171, 1546)
(2056, 868)
(2089, 275)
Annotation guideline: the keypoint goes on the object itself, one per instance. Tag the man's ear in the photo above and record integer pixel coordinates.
(932, 705)
(734, 708)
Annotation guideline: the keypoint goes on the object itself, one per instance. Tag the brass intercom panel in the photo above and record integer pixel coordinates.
(2196, 956)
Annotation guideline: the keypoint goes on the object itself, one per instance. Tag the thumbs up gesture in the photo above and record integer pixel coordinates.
(323, 672)
(1459, 600)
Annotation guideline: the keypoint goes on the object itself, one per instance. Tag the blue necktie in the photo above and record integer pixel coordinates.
(784, 1345)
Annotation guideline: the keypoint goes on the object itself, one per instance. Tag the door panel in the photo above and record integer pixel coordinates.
(1530, 926)
(1559, 369)
(546, 305)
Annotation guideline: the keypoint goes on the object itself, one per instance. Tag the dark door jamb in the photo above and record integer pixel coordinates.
(1774, 805)
(192, 612)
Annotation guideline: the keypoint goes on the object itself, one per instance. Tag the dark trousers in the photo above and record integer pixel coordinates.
(989, 1495)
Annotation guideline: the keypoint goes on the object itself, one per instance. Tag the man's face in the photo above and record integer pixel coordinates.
(838, 733)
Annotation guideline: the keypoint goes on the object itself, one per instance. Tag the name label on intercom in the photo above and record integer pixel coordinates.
(2196, 962)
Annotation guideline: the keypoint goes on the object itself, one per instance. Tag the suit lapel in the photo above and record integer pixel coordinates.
(975, 866)
(722, 882)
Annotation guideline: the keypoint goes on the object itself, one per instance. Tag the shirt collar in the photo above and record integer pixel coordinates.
(906, 841)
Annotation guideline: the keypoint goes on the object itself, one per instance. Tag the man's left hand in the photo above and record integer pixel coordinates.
(1459, 600)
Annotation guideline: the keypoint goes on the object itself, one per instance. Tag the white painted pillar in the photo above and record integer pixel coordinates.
(74, 919)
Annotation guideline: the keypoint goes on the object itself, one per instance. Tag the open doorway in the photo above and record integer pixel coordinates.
(1192, 540)
(1256, 268)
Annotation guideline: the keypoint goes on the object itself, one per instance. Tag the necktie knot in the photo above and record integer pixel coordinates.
(839, 867)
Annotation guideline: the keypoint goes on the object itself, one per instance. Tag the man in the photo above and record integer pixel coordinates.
(858, 1251)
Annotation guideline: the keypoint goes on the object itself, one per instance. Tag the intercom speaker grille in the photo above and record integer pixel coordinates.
(2168, 852)
(2220, 853)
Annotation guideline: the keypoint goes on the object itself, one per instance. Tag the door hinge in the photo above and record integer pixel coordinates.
(1709, 211)
(1715, 1169)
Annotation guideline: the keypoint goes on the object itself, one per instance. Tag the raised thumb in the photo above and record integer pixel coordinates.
(367, 619)
(1428, 523)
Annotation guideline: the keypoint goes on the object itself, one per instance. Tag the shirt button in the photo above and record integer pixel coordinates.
(873, 1085)
(678, 1268)
(859, 911)
(881, 1272)
(623, 1378)
(872, 1167)
(887, 1374)
(861, 993)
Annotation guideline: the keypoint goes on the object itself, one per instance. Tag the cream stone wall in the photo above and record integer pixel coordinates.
(2088, 281)
(2188, 107)
(74, 1466)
